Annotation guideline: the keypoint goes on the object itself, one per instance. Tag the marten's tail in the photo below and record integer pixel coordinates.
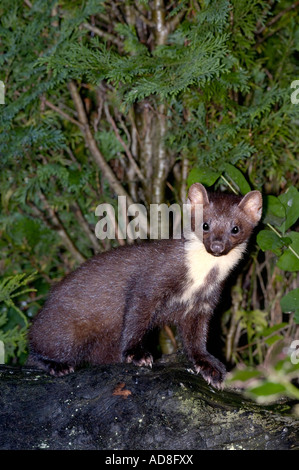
(52, 367)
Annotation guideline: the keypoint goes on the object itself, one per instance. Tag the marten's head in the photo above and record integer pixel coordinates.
(228, 220)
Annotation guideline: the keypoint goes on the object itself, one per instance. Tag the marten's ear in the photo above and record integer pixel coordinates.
(252, 205)
(197, 194)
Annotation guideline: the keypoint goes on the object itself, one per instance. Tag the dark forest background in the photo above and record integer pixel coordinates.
(141, 99)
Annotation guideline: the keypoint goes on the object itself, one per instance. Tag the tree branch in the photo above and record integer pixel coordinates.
(163, 27)
(161, 162)
(278, 16)
(161, 30)
(57, 224)
(172, 24)
(85, 227)
(126, 148)
(92, 145)
(62, 113)
(103, 34)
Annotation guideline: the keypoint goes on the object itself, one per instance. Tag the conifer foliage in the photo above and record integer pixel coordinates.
(127, 98)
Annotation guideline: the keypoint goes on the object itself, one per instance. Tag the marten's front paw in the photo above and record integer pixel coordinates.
(139, 357)
(212, 370)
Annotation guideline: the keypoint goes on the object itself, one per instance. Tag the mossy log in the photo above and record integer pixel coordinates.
(124, 407)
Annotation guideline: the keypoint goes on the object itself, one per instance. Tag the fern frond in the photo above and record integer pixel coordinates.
(9, 285)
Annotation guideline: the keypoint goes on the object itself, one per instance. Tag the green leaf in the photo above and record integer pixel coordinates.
(290, 201)
(273, 339)
(237, 177)
(275, 212)
(244, 375)
(203, 175)
(289, 260)
(268, 388)
(269, 330)
(268, 240)
(286, 240)
(290, 303)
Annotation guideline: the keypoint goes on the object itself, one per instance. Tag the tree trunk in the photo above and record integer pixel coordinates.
(122, 407)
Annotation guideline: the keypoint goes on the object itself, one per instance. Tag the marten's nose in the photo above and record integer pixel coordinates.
(217, 247)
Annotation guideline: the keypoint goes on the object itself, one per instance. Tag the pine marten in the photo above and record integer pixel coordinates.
(101, 312)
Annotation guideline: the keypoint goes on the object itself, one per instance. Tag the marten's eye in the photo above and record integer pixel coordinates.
(205, 227)
(235, 230)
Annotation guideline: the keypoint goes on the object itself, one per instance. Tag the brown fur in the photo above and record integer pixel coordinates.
(101, 312)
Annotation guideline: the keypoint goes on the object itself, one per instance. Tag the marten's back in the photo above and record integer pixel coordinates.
(82, 319)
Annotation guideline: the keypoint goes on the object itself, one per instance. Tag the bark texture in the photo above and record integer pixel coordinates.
(121, 407)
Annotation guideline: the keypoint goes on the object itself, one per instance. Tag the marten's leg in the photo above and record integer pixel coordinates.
(194, 331)
(137, 319)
